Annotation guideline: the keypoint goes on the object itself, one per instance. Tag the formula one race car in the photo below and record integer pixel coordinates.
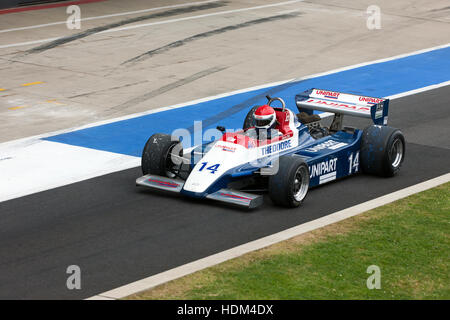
(302, 154)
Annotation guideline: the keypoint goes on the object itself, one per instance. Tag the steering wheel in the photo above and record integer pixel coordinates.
(276, 99)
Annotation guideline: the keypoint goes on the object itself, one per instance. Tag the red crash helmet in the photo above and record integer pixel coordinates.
(264, 117)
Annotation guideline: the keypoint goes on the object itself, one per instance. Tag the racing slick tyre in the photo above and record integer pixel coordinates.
(289, 186)
(382, 150)
(156, 156)
(249, 121)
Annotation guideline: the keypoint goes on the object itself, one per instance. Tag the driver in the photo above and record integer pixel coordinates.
(265, 122)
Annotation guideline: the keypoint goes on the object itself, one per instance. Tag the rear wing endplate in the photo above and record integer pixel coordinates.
(344, 103)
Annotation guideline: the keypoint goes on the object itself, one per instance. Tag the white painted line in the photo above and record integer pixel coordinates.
(52, 159)
(222, 95)
(109, 15)
(99, 298)
(288, 11)
(203, 16)
(42, 165)
(223, 256)
(400, 95)
(411, 92)
(160, 22)
(26, 43)
(139, 114)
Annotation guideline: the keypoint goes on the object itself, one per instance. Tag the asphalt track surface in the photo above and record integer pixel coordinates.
(118, 233)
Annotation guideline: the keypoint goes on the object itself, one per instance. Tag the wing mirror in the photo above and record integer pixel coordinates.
(221, 129)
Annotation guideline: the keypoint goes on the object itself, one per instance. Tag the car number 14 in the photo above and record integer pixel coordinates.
(353, 163)
(212, 168)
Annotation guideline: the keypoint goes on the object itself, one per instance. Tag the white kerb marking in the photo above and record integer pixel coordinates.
(223, 256)
(47, 162)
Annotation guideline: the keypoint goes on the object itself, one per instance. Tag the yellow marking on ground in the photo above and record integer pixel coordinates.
(31, 83)
(18, 107)
(55, 102)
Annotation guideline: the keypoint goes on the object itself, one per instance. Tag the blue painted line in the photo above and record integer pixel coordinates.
(377, 80)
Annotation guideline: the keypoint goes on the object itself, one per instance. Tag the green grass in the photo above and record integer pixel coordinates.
(408, 240)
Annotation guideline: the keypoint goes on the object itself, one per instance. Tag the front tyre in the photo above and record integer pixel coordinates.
(289, 186)
(156, 156)
(382, 150)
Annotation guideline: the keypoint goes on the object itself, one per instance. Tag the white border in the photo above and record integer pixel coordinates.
(18, 44)
(254, 245)
(36, 26)
(83, 174)
(220, 257)
(222, 95)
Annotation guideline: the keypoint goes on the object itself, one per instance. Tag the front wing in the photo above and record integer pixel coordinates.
(238, 198)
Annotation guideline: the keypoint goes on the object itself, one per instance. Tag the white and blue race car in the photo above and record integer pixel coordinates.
(240, 166)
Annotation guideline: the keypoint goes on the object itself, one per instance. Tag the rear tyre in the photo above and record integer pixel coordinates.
(289, 186)
(249, 121)
(382, 150)
(156, 156)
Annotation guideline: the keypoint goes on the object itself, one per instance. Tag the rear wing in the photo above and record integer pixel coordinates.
(344, 103)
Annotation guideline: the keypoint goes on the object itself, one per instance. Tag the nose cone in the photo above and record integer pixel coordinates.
(221, 159)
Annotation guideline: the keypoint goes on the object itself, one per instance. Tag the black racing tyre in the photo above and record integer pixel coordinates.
(382, 150)
(156, 157)
(289, 186)
(249, 120)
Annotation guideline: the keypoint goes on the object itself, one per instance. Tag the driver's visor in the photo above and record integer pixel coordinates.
(262, 122)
